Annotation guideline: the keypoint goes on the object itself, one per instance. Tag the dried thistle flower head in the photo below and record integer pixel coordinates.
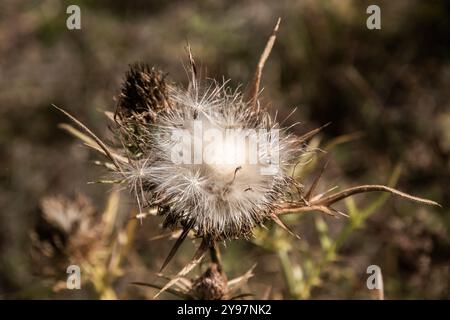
(67, 231)
(211, 161)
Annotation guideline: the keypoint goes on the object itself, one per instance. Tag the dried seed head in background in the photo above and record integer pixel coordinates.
(67, 232)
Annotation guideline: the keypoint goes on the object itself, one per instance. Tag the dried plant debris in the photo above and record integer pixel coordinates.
(212, 200)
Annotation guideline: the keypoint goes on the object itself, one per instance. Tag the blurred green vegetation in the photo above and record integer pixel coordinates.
(388, 88)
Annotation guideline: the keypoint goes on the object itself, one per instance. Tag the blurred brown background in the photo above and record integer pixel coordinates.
(391, 86)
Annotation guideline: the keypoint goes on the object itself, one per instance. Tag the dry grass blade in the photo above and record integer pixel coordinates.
(78, 134)
(171, 235)
(91, 143)
(254, 91)
(370, 188)
(96, 139)
(198, 256)
(111, 211)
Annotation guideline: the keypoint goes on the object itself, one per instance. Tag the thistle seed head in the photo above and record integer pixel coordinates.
(67, 232)
(209, 161)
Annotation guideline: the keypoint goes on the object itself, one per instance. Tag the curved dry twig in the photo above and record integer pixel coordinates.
(323, 204)
(327, 201)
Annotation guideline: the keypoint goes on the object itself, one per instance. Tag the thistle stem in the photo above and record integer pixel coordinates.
(216, 257)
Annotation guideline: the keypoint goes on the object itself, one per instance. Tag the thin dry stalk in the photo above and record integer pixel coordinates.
(254, 91)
